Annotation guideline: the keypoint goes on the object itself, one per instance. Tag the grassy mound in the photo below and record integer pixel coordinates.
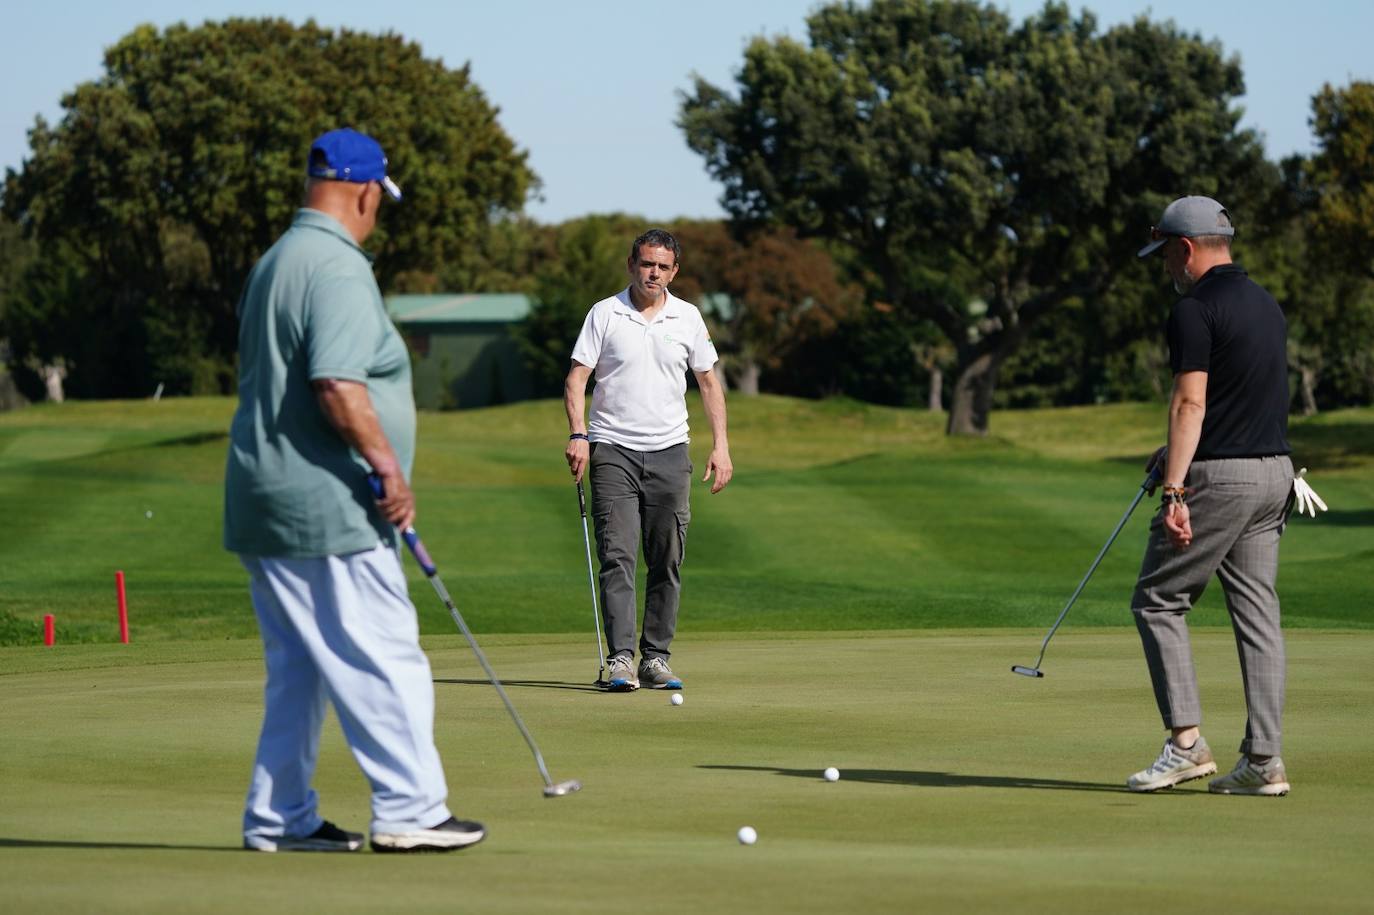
(842, 516)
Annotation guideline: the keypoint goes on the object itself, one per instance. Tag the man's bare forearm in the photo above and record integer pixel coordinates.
(348, 408)
(1187, 407)
(713, 402)
(575, 397)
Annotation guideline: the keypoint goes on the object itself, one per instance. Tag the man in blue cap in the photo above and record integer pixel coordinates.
(324, 398)
(1227, 483)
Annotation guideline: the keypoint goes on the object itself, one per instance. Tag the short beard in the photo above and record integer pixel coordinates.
(1184, 285)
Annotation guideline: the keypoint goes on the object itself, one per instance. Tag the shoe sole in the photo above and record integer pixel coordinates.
(452, 841)
(1276, 790)
(1188, 775)
(622, 686)
(671, 684)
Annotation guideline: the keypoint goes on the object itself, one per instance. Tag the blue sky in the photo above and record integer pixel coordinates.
(589, 88)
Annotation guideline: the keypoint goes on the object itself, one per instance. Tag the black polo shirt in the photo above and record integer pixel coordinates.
(1230, 328)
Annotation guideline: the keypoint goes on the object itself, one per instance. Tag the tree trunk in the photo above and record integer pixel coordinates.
(719, 371)
(748, 381)
(1307, 385)
(971, 404)
(935, 400)
(52, 381)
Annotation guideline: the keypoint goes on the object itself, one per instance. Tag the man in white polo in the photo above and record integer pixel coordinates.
(640, 344)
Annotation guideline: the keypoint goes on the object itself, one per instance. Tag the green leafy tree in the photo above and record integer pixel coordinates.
(580, 262)
(1340, 176)
(767, 295)
(984, 173)
(170, 174)
(1329, 249)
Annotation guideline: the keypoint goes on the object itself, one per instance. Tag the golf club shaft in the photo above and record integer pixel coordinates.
(1140, 494)
(417, 549)
(413, 541)
(591, 582)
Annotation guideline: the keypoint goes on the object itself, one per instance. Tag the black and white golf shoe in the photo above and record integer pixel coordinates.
(450, 835)
(327, 838)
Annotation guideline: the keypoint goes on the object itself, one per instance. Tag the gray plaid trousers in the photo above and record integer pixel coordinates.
(1239, 508)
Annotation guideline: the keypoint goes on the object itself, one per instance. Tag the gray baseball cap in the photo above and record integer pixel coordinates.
(1189, 217)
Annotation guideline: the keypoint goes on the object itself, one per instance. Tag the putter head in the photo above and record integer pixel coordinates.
(563, 788)
(1026, 671)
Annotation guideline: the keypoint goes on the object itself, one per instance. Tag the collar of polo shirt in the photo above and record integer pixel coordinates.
(671, 307)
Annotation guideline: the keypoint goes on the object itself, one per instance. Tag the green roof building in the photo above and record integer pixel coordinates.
(463, 354)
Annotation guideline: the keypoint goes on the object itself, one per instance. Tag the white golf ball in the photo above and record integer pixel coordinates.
(832, 774)
(148, 514)
(676, 699)
(747, 835)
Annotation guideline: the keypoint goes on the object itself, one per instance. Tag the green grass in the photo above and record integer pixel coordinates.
(842, 515)
(855, 599)
(964, 787)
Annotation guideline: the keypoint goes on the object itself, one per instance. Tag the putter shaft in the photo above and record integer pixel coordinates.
(417, 549)
(591, 583)
(1140, 494)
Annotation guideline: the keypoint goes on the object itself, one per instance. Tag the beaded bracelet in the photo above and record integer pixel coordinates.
(1174, 495)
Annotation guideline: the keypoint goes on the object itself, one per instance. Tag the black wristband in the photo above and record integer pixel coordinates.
(581, 436)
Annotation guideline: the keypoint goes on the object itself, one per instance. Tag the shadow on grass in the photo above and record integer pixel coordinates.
(935, 779)
(1359, 518)
(536, 684)
(134, 846)
(195, 438)
(1320, 446)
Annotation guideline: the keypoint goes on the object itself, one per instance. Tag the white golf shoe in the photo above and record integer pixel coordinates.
(1249, 777)
(1174, 765)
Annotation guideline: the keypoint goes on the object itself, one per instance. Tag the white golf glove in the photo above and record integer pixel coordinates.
(1305, 498)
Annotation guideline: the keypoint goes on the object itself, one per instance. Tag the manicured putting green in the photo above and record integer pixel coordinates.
(963, 786)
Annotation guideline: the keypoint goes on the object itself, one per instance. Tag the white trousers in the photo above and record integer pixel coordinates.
(342, 628)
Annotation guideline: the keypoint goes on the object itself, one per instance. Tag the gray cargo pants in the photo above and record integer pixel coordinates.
(640, 495)
(1238, 507)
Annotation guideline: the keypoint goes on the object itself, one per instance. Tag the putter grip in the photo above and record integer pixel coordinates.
(412, 539)
(581, 499)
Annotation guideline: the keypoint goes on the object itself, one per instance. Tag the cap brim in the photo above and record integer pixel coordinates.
(1151, 248)
(391, 187)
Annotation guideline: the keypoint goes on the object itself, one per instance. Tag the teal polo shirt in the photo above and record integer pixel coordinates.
(311, 309)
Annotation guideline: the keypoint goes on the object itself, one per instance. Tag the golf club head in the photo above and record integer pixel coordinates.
(1026, 671)
(601, 683)
(563, 788)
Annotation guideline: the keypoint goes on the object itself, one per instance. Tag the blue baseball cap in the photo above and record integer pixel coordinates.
(346, 155)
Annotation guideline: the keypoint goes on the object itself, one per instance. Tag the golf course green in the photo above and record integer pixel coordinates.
(854, 599)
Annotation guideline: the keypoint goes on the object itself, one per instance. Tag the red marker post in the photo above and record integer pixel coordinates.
(123, 608)
(48, 634)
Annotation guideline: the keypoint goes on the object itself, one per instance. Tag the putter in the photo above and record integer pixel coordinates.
(417, 549)
(1150, 482)
(591, 581)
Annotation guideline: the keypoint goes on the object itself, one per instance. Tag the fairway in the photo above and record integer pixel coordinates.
(963, 786)
(841, 516)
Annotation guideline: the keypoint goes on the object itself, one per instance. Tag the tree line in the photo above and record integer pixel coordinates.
(930, 204)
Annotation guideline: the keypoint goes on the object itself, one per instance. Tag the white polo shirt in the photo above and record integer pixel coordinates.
(640, 398)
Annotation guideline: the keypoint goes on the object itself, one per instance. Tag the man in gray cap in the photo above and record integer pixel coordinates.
(1227, 481)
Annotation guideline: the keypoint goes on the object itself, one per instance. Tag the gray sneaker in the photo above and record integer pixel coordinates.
(656, 675)
(620, 674)
(1173, 766)
(1249, 777)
